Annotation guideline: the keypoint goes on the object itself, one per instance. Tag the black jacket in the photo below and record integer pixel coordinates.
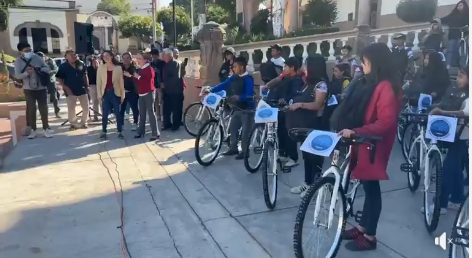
(128, 81)
(172, 77)
(453, 98)
(286, 89)
(225, 71)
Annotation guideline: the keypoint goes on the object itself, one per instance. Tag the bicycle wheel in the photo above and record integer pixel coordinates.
(302, 248)
(432, 196)
(254, 149)
(400, 129)
(459, 246)
(408, 136)
(269, 174)
(413, 158)
(463, 54)
(350, 189)
(211, 135)
(194, 116)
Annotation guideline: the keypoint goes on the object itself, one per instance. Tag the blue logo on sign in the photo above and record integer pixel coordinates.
(211, 100)
(221, 93)
(440, 128)
(321, 142)
(426, 102)
(265, 113)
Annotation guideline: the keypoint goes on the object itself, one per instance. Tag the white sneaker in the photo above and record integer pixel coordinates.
(133, 127)
(453, 206)
(32, 135)
(48, 133)
(291, 163)
(299, 189)
(442, 212)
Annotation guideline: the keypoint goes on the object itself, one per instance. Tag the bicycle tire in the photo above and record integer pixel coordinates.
(202, 130)
(189, 131)
(463, 55)
(435, 157)
(247, 164)
(346, 187)
(413, 174)
(456, 220)
(301, 214)
(268, 146)
(406, 144)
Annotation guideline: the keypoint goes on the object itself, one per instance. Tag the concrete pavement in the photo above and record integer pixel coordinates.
(58, 200)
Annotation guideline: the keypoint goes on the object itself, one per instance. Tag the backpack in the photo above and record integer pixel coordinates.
(269, 71)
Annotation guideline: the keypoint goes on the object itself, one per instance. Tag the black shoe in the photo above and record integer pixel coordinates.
(138, 136)
(361, 243)
(154, 138)
(120, 136)
(103, 136)
(240, 156)
(231, 153)
(165, 128)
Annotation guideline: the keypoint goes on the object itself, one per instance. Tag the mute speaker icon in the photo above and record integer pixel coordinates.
(441, 241)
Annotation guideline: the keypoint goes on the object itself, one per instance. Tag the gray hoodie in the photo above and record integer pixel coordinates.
(31, 81)
(439, 34)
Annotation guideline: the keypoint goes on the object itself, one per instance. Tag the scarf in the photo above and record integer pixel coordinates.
(351, 112)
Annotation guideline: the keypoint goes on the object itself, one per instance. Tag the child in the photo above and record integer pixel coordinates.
(435, 39)
(453, 178)
(240, 91)
(346, 52)
(341, 79)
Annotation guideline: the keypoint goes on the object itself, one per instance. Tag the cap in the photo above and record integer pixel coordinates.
(399, 36)
(230, 50)
(277, 47)
(40, 54)
(292, 62)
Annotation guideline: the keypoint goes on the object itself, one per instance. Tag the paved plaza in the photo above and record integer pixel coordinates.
(57, 201)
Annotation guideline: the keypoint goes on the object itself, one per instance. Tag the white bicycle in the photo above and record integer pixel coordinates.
(464, 47)
(334, 188)
(459, 244)
(196, 114)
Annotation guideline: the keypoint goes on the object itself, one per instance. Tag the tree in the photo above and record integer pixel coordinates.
(115, 7)
(228, 5)
(320, 12)
(4, 4)
(415, 11)
(217, 14)
(260, 23)
(182, 19)
(138, 26)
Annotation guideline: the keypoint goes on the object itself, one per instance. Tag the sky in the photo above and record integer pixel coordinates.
(137, 6)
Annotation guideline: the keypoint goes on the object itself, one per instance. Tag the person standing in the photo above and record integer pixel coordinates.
(459, 17)
(131, 95)
(144, 80)
(158, 65)
(74, 81)
(227, 66)
(173, 91)
(52, 90)
(92, 77)
(110, 91)
(28, 68)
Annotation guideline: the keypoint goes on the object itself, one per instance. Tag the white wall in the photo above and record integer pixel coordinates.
(44, 3)
(389, 7)
(447, 2)
(344, 8)
(18, 16)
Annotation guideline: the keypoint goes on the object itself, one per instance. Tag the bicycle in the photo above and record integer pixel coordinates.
(459, 243)
(341, 189)
(270, 156)
(203, 113)
(463, 47)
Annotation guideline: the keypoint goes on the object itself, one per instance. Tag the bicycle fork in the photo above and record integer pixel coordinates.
(334, 199)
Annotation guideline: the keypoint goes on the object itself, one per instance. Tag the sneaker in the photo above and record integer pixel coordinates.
(291, 163)
(303, 193)
(32, 135)
(351, 234)
(48, 133)
(361, 243)
(103, 136)
(442, 212)
(134, 127)
(299, 189)
(58, 116)
(453, 206)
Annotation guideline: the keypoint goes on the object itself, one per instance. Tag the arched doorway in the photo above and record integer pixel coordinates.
(96, 42)
(55, 42)
(43, 36)
(23, 35)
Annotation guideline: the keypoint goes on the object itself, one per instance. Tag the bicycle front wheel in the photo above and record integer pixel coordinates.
(307, 243)
(432, 196)
(253, 158)
(459, 246)
(194, 116)
(209, 136)
(269, 174)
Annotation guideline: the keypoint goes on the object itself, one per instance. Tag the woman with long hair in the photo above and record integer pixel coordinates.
(131, 95)
(435, 77)
(111, 91)
(92, 77)
(306, 112)
(371, 108)
(144, 80)
(459, 17)
(226, 68)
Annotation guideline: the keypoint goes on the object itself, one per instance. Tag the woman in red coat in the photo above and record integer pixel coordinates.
(371, 108)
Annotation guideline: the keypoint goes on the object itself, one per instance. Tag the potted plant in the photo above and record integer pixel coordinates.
(416, 11)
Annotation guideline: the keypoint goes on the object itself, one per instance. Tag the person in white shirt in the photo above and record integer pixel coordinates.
(276, 53)
(453, 177)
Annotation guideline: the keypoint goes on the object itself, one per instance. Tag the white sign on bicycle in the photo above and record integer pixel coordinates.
(441, 128)
(212, 100)
(332, 101)
(262, 104)
(266, 115)
(424, 101)
(320, 143)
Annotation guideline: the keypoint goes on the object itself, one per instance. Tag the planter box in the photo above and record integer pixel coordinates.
(9, 93)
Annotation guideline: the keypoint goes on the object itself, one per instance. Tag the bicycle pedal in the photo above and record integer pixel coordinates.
(286, 169)
(406, 167)
(358, 217)
(257, 150)
(460, 236)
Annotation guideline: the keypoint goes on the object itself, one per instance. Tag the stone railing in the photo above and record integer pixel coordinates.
(328, 45)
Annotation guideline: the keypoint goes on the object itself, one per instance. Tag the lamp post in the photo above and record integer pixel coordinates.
(175, 24)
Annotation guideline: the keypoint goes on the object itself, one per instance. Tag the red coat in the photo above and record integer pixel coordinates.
(145, 83)
(380, 119)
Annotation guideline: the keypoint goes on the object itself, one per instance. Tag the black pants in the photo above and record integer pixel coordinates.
(372, 207)
(172, 109)
(53, 97)
(288, 147)
(313, 166)
(33, 96)
(131, 98)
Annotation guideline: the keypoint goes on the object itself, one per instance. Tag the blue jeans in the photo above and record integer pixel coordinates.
(130, 101)
(453, 176)
(453, 52)
(111, 101)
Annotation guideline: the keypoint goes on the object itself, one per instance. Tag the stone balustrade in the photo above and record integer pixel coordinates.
(328, 45)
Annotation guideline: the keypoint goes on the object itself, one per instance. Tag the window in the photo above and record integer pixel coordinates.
(23, 35)
(350, 16)
(55, 42)
(40, 42)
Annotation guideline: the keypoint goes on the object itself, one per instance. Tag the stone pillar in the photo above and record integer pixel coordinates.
(291, 15)
(250, 8)
(211, 37)
(29, 35)
(49, 40)
(363, 25)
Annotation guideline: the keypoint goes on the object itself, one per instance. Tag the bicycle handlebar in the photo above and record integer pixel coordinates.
(427, 114)
(358, 138)
(249, 111)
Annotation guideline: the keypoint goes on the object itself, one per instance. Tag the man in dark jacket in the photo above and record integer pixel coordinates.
(52, 89)
(172, 90)
(158, 65)
(402, 54)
